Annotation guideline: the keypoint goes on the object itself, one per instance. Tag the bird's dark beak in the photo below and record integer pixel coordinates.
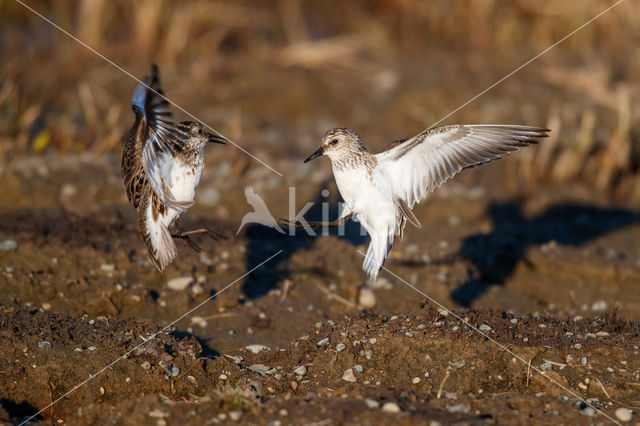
(316, 154)
(217, 139)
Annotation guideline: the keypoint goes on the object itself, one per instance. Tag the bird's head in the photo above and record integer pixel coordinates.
(338, 143)
(199, 132)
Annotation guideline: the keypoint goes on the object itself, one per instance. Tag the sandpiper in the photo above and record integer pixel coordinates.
(162, 165)
(381, 189)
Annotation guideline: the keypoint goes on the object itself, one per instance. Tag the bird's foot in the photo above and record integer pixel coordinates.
(188, 241)
(285, 223)
(185, 235)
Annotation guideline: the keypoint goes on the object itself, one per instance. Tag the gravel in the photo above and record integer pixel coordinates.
(348, 376)
(367, 298)
(340, 347)
(300, 371)
(546, 366)
(624, 414)
(255, 348)
(323, 342)
(372, 403)
(179, 283)
(391, 407)
(458, 408)
(8, 245)
(600, 305)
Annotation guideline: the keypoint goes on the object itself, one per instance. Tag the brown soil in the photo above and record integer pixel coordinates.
(555, 281)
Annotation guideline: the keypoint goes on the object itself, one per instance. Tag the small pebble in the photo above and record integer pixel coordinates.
(416, 380)
(514, 320)
(179, 283)
(8, 245)
(600, 305)
(578, 346)
(368, 353)
(358, 368)
(44, 344)
(588, 411)
(371, 403)
(348, 376)
(108, 267)
(373, 340)
(300, 371)
(624, 414)
(235, 415)
(222, 376)
(158, 414)
(458, 408)
(256, 348)
(484, 327)
(199, 321)
(146, 365)
(457, 364)
(546, 366)
(583, 360)
(259, 368)
(340, 347)
(323, 342)
(367, 298)
(391, 407)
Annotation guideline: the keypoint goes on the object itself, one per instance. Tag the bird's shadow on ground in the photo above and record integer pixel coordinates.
(494, 256)
(263, 242)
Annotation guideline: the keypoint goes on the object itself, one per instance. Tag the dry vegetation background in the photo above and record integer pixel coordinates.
(273, 75)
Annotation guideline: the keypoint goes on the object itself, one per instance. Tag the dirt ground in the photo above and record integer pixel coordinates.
(553, 285)
(536, 255)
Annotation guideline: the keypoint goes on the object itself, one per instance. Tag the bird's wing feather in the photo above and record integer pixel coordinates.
(417, 166)
(158, 144)
(134, 180)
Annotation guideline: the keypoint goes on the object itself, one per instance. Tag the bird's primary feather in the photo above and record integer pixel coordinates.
(419, 165)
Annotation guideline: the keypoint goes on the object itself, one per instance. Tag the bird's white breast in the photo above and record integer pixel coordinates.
(185, 178)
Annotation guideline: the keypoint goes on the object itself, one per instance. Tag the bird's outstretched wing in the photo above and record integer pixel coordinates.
(159, 144)
(418, 165)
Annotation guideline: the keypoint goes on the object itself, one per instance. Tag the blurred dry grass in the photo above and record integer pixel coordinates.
(398, 63)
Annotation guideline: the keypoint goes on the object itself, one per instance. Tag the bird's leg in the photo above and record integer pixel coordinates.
(338, 222)
(185, 235)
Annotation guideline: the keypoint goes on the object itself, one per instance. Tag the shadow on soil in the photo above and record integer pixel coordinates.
(18, 411)
(263, 242)
(494, 256)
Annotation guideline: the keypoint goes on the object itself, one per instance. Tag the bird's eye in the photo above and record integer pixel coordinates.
(200, 131)
(335, 141)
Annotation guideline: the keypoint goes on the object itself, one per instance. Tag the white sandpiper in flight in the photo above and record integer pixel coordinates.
(381, 189)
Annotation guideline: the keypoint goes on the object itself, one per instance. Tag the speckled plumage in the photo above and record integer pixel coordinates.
(162, 163)
(381, 189)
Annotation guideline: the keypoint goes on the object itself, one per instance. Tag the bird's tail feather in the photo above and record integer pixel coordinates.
(160, 245)
(377, 252)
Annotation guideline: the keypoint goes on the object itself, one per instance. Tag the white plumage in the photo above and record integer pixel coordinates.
(380, 189)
